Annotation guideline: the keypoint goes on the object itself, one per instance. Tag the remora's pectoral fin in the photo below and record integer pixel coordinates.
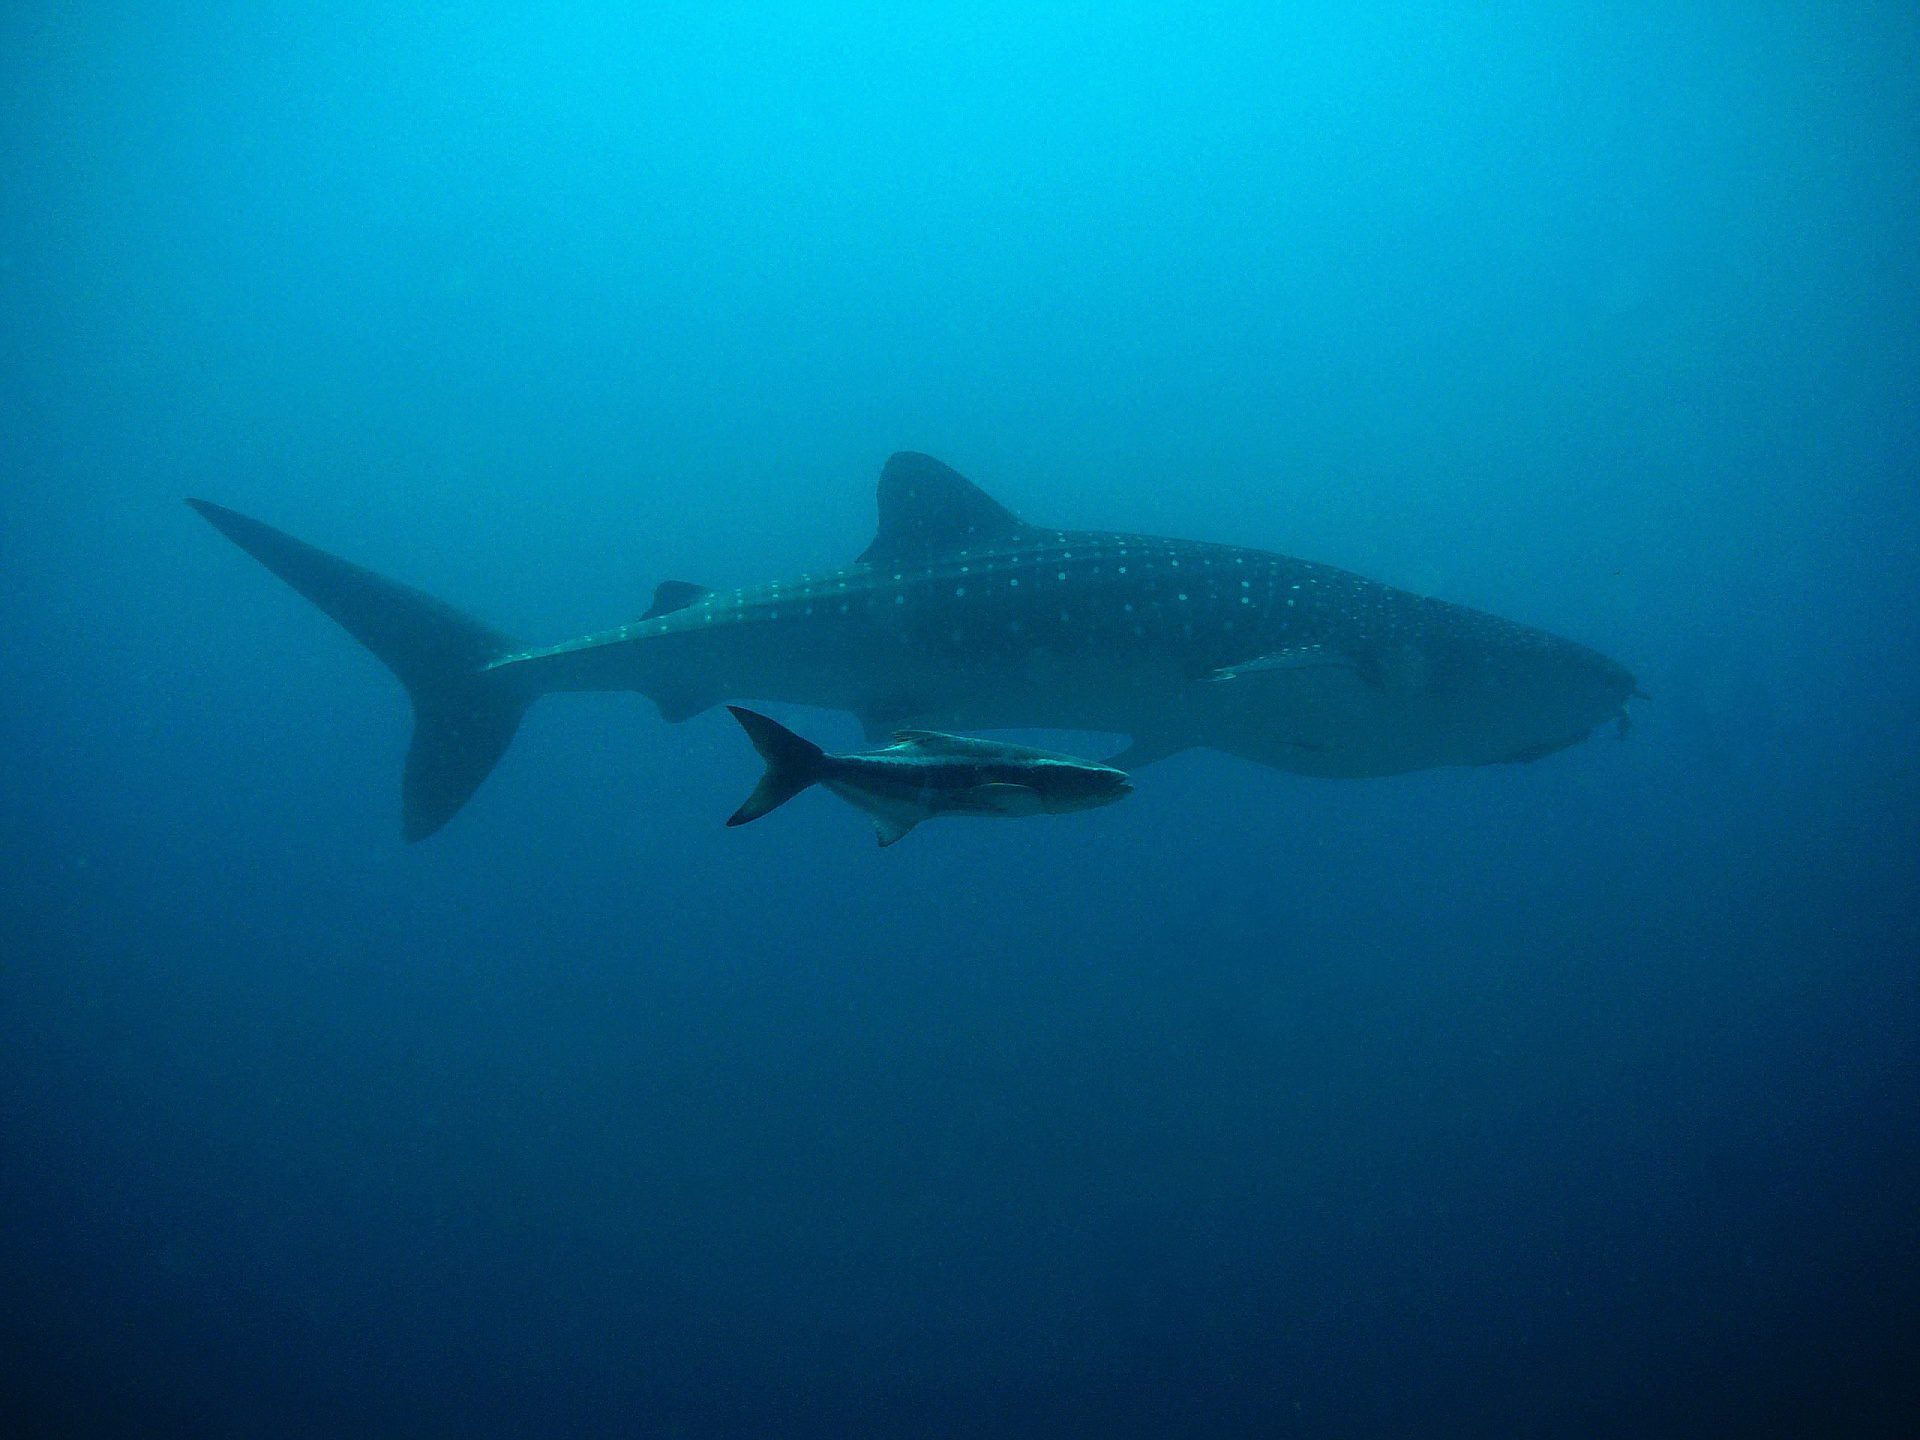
(1002, 799)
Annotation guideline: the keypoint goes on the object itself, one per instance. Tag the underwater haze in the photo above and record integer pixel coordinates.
(1575, 1097)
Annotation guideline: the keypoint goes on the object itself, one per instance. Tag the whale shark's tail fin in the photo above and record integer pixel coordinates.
(792, 764)
(463, 714)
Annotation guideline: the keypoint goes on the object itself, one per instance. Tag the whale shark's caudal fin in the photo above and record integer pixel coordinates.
(463, 714)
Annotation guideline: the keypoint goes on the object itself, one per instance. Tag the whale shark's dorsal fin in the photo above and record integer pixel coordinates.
(672, 595)
(929, 509)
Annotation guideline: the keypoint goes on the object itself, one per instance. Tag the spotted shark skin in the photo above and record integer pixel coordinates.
(1178, 643)
(961, 616)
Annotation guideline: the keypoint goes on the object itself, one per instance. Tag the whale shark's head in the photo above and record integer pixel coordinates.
(1501, 694)
(1509, 703)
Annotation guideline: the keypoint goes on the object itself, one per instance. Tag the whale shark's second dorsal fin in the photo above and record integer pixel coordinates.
(929, 509)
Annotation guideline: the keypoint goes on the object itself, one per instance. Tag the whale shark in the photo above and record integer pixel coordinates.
(960, 615)
(923, 773)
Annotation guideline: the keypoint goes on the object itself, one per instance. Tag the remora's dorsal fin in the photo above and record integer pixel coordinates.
(938, 742)
(672, 595)
(928, 509)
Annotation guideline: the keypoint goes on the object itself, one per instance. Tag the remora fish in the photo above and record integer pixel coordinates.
(925, 773)
(961, 616)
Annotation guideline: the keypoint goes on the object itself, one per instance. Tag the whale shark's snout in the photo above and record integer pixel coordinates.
(1554, 697)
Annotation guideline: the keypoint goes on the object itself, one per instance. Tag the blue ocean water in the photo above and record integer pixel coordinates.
(1559, 1099)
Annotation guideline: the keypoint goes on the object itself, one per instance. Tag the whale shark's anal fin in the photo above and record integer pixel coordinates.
(464, 715)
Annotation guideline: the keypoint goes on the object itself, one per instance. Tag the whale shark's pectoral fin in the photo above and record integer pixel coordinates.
(1294, 658)
(891, 826)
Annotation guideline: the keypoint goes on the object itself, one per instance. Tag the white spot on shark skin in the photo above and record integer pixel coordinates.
(1062, 576)
(1183, 595)
(1014, 584)
(899, 599)
(959, 592)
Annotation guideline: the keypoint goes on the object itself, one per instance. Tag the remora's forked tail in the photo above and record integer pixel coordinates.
(792, 764)
(463, 715)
